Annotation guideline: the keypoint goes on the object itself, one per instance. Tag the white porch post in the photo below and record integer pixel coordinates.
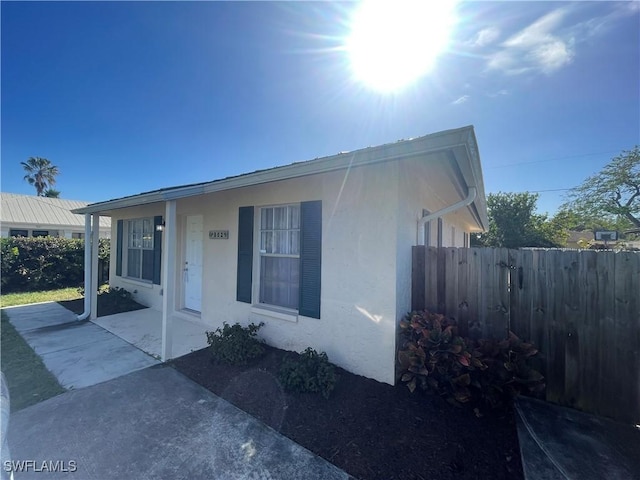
(95, 238)
(169, 244)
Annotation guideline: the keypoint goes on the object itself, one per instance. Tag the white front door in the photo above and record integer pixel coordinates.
(193, 263)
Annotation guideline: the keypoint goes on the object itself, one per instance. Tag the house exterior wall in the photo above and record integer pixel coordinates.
(417, 193)
(369, 223)
(358, 314)
(55, 230)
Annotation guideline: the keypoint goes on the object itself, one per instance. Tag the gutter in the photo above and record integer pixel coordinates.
(471, 196)
(87, 269)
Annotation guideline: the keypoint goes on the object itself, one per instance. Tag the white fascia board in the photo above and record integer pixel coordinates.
(389, 152)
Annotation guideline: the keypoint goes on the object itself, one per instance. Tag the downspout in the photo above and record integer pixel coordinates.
(87, 268)
(471, 196)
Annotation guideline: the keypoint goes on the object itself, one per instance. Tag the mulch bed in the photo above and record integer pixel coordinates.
(105, 307)
(369, 429)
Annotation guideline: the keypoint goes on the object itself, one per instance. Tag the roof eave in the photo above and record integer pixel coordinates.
(460, 137)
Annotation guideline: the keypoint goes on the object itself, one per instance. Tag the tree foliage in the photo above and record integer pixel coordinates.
(51, 193)
(612, 192)
(513, 223)
(40, 173)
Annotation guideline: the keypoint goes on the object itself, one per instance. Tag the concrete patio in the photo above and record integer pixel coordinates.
(143, 328)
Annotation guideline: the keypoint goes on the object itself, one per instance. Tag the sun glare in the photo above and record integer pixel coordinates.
(393, 43)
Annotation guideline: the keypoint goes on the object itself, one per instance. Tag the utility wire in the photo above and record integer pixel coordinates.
(551, 159)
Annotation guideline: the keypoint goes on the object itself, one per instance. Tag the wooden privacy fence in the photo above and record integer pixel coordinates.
(581, 308)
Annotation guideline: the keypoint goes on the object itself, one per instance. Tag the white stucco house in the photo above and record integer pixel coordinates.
(320, 251)
(32, 216)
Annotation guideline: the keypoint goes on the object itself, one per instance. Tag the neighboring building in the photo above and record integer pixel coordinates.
(32, 216)
(319, 250)
(579, 239)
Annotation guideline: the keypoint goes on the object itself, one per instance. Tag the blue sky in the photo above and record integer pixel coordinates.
(129, 97)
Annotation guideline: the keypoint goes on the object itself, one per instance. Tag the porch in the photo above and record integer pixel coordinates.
(143, 329)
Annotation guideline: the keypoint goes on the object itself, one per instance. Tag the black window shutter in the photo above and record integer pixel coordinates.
(310, 258)
(119, 234)
(157, 250)
(245, 254)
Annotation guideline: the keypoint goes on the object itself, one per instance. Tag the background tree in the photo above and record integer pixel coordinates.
(41, 173)
(613, 194)
(52, 193)
(513, 223)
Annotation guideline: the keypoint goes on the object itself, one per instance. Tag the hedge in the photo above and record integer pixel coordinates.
(44, 263)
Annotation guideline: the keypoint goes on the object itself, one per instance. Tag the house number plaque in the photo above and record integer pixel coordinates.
(218, 234)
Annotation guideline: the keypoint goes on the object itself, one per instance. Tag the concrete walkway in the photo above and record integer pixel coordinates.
(79, 354)
(563, 444)
(156, 424)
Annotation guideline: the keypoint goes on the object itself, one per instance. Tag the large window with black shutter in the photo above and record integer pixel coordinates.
(288, 256)
(138, 249)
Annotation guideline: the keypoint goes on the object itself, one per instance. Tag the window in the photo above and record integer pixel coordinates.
(427, 228)
(289, 247)
(18, 233)
(280, 256)
(140, 255)
(440, 228)
(139, 249)
(44, 233)
(77, 235)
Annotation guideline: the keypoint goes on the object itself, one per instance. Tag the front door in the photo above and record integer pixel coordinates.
(193, 263)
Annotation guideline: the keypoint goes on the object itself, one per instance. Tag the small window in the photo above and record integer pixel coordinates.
(280, 256)
(18, 233)
(40, 233)
(140, 248)
(77, 235)
(427, 228)
(440, 228)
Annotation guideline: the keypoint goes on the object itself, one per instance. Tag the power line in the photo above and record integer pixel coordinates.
(550, 190)
(552, 159)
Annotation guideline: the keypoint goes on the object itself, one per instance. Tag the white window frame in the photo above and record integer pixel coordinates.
(127, 240)
(261, 253)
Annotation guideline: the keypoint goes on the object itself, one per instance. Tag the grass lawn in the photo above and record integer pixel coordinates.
(29, 380)
(24, 298)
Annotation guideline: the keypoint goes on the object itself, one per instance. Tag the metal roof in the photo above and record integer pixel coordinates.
(460, 142)
(41, 211)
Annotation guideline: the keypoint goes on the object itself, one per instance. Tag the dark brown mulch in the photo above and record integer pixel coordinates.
(105, 307)
(369, 429)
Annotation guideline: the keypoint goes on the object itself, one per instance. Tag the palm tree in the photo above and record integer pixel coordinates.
(51, 193)
(40, 173)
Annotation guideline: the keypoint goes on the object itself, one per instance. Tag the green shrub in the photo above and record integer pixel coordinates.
(309, 372)
(44, 263)
(433, 356)
(235, 344)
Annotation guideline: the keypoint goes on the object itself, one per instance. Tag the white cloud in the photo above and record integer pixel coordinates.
(461, 100)
(549, 43)
(485, 37)
(535, 48)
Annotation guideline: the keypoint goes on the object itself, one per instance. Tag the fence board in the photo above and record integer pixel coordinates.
(580, 308)
(626, 323)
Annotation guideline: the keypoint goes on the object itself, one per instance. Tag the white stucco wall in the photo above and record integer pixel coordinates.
(369, 225)
(358, 308)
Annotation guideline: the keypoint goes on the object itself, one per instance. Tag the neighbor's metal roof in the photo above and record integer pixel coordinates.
(32, 210)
